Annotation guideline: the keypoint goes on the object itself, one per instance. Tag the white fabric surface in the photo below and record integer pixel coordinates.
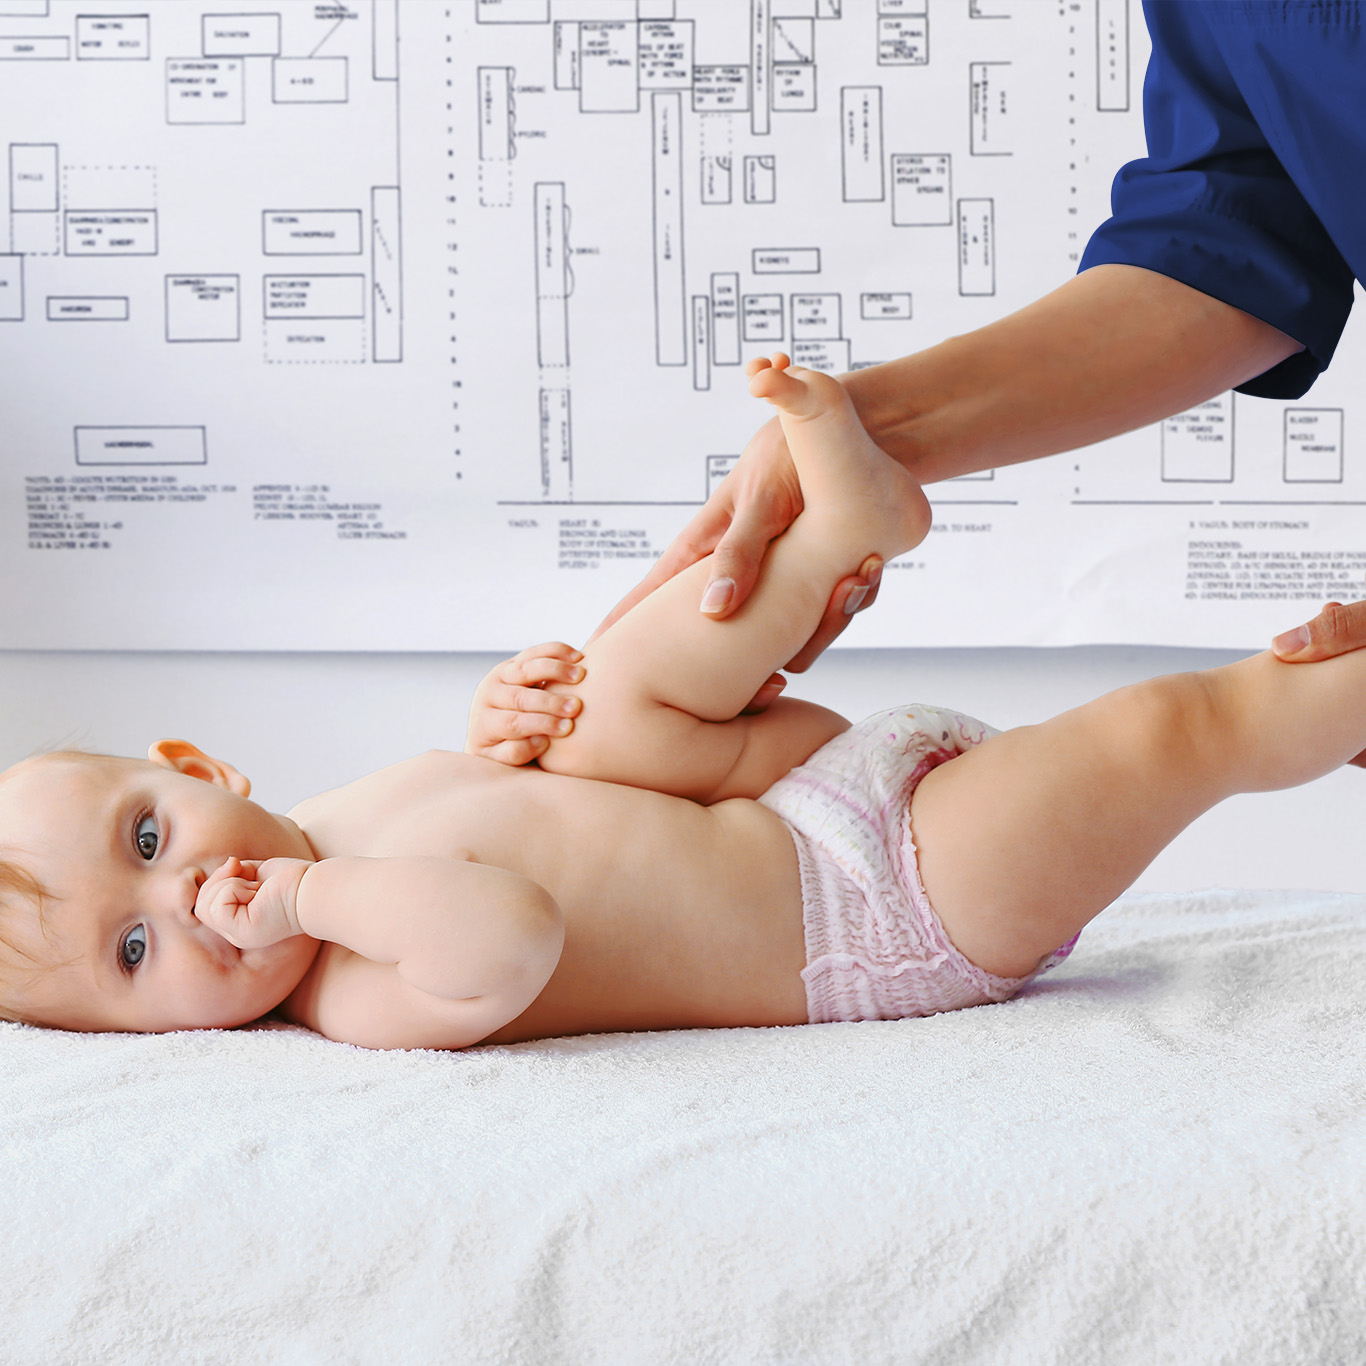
(1157, 1154)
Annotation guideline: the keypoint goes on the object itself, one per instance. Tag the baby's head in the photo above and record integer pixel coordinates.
(100, 862)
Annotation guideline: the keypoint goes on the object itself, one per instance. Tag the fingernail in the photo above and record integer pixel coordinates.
(575, 656)
(875, 575)
(855, 599)
(576, 675)
(562, 726)
(718, 595)
(1292, 642)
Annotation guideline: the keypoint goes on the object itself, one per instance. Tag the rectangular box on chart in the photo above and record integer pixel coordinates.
(311, 232)
(557, 445)
(609, 67)
(308, 80)
(793, 36)
(55, 49)
(666, 55)
(992, 109)
(141, 446)
(718, 466)
(495, 113)
(875, 307)
(903, 40)
(314, 296)
(763, 317)
(314, 341)
(720, 89)
(552, 274)
(976, 246)
(1112, 56)
(918, 8)
(991, 9)
(203, 308)
(33, 177)
(94, 309)
(761, 180)
(240, 35)
(785, 260)
(701, 342)
(25, 9)
(830, 356)
(11, 289)
(861, 143)
(512, 11)
(386, 255)
(816, 317)
(113, 38)
(385, 64)
(1313, 446)
(205, 90)
(1197, 445)
(725, 319)
(566, 49)
(794, 87)
(132, 232)
(760, 62)
(716, 173)
(671, 321)
(922, 189)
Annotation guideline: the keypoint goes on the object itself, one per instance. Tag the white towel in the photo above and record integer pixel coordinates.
(1157, 1153)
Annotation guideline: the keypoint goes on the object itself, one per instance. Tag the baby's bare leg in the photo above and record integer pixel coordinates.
(661, 679)
(1026, 838)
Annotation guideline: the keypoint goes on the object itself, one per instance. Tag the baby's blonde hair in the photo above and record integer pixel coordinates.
(18, 886)
(21, 888)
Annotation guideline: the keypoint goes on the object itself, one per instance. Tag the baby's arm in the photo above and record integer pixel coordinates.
(451, 949)
(665, 684)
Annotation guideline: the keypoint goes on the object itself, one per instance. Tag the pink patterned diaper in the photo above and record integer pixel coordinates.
(875, 949)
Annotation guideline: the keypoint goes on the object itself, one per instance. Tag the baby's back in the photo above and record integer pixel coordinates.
(676, 915)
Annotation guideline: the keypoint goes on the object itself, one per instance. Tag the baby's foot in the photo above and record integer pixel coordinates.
(841, 468)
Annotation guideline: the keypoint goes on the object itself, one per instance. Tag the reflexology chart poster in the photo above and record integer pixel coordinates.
(420, 324)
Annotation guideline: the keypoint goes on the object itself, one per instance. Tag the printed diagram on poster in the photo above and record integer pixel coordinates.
(421, 324)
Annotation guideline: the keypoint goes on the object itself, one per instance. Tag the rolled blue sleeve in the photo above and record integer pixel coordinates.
(1220, 202)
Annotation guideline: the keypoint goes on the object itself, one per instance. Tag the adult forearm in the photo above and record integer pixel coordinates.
(452, 928)
(1113, 349)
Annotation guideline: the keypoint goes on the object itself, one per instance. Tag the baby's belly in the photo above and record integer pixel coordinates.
(676, 915)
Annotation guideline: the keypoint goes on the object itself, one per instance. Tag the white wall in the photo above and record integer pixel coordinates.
(297, 724)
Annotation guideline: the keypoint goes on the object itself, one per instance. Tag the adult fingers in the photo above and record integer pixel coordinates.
(737, 558)
(854, 593)
(1336, 630)
(769, 690)
(695, 540)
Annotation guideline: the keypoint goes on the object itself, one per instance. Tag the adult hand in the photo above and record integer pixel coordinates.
(755, 503)
(1336, 630)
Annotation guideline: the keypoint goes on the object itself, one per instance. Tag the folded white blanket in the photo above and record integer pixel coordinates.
(1158, 1153)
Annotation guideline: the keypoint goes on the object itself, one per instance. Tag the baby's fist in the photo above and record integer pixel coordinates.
(252, 904)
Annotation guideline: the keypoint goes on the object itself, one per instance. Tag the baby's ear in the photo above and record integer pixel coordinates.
(185, 758)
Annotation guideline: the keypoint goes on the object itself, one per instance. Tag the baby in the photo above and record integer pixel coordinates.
(671, 862)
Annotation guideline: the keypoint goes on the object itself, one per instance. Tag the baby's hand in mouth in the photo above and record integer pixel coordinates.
(251, 903)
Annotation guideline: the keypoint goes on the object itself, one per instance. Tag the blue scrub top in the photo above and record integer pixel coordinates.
(1254, 186)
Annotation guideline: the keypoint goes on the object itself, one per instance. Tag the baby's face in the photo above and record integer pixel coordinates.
(122, 846)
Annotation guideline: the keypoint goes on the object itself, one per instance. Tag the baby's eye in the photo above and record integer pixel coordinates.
(145, 836)
(133, 948)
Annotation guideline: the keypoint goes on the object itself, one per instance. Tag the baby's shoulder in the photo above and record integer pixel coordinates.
(343, 819)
